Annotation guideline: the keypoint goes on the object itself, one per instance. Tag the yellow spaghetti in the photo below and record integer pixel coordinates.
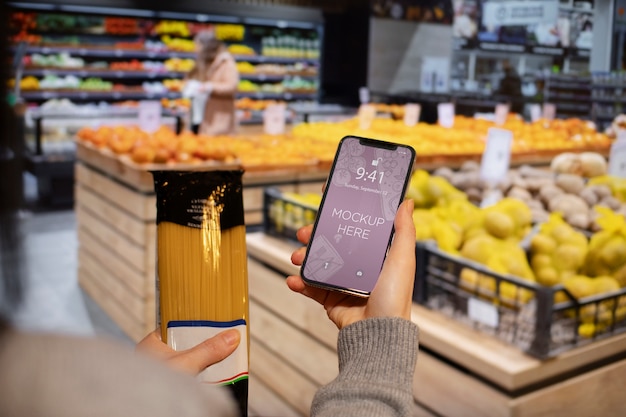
(202, 267)
(202, 274)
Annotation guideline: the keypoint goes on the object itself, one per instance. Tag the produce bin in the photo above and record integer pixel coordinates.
(522, 313)
(283, 216)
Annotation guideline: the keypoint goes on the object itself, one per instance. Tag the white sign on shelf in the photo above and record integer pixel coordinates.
(364, 95)
(501, 113)
(445, 114)
(149, 115)
(274, 119)
(549, 111)
(496, 158)
(412, 114)
(617, 159)
(535, 112)
(367, 114)
(482, 312)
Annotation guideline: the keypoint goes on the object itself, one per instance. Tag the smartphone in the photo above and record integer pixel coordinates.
(354, 224)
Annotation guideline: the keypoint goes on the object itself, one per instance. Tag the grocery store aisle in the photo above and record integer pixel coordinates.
(53, 300)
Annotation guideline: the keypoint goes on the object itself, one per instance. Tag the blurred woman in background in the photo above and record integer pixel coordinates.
(212, 86)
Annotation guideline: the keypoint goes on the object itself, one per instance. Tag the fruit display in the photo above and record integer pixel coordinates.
(466, 140)
(290, 47)
(179, 64)
(172, 27)
(61, 60)
(174, 84)
(247, 86)
(502, 238)
(132, 65)
(178, 103)
(238, 49)
(230, 32)
(95, 84)
(121, 25)
(245, 67)
(247, 103)
(27, 83)
(178, 44)
(21, 24)
(548, 191)
(254, 152)
(286, 212)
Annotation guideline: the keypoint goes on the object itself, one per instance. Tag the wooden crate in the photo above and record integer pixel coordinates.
(117, 249)
(459, 372)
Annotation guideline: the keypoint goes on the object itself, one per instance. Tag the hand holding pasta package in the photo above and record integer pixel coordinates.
(202, 267)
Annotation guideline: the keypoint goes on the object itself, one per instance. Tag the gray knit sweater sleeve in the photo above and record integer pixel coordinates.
(376, 365)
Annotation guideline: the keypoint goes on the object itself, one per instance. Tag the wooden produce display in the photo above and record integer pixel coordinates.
(459, 372)
(116, 222)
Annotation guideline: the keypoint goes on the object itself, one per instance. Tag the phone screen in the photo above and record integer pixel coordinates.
(354, 224)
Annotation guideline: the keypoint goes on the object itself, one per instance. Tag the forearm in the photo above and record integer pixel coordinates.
(376, 365)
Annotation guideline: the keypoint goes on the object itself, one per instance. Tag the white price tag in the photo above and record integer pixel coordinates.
(445, 114)
(535, 112)
(501, 113)
(617, 159)
(364, 95)
(412, 114)
(149, 115)
(274, 119)
(367, 114)
(483, 312)
(621, 135)
(549, 111)
(494, 164)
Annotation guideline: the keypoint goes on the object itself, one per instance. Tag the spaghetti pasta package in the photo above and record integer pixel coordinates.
(202, 267)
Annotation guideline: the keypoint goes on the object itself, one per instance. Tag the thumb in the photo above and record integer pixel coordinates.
(207, 353)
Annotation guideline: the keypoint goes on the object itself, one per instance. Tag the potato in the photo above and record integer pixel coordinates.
(589, 196)
(567, 163)
(474, 195)
(568, 205)
(579, 220)
(593, 164)
(444, 172)
(539, 215)
(520, 193)
(601, 191)
(610, 202)
(529, 171)
(549, 192)
(570, 183)
(534, 184)
(468, 166)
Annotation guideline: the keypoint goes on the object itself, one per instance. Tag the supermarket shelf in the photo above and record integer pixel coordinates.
(287, 96)
(619, 86)
(39, 72)
(147, 54)
(274, 78)
(571, 85)
(142, 95)
(610, 100)
(97, 95)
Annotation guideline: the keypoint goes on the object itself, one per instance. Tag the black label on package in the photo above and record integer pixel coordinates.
(200, 199)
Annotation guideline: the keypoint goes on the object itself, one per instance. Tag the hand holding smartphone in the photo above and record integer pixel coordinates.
(354, 224)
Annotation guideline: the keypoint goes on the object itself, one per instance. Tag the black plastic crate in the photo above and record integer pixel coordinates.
(282, 216)
(523, 314)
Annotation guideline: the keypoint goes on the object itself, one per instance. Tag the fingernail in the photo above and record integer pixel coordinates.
(231, 337)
